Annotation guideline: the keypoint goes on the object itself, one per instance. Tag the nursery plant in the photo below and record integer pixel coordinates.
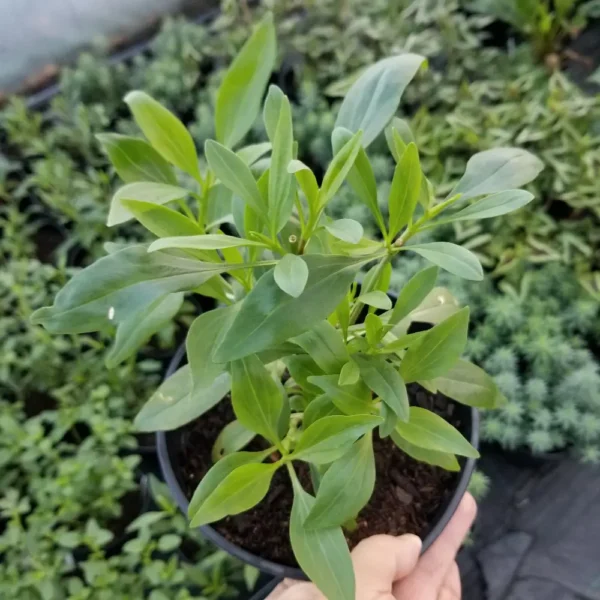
(537, 340)
(546, 23)
(315, 364)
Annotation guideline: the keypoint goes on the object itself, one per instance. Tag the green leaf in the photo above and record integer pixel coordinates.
(389, 420)
(320, 407)
(405, 189)
(431, 457)
(386, 382)
(496, 170)
(204, 332)
(165, 132)
(240, 94)
(136, 160)
(338, 169)
(347, 230)
(281, 182)
(160, 220)
(345, 488)
(176, 402)
(322, 554)
(349, 374)
(218, 472)
(250, 154)
(154, 193)
(306, 180)
(251, 575)
(427, 430)
(378, 278)
(373, 329)
(257, 400)
(272, 110)
(218, 206)
(342, 313)
(146, 520)
(494, 205)
(360, 176)
(119, 285)
(239, 491)
(401, 343)
(169, 542)
(68, 539)
(468, 384)
(202, 242)
(454, 259)
(139, 328)
(413, 293)
(217, 288)
(377, 299)
(438, 350)
(291, 275)
(330, 438)
(233, 437)
(398, 136)
(350, 399)
(324, 344)
(234, 174)
(301, 367)
(374, 98)
(269, 316)
(438, 305)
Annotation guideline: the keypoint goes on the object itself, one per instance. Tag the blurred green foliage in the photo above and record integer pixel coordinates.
(536, 328)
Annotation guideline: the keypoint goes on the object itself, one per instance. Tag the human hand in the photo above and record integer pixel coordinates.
(389, 568)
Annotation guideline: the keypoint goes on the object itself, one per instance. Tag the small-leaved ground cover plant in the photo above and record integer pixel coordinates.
(313, 362)
(537, 341)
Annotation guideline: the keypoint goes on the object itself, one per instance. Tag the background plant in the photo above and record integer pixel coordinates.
(546, 23)
(538, 341)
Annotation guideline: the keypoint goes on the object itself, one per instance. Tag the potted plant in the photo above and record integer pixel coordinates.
(320, 379)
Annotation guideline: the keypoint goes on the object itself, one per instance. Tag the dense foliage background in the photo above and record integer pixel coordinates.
(70, 463)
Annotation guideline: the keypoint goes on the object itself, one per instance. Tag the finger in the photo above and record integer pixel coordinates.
(431, 569)
(281, 587)
(295, 590)
(451, 587)
(381, 560)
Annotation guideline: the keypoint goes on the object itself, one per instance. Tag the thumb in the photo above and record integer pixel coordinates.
(381, 560)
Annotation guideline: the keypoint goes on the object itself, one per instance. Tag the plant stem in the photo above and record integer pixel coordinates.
(421, 225)
(350, 525)
(358, 306)
(186, 209)
(292, 473)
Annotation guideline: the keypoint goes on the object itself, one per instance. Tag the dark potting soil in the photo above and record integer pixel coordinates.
(406, 496)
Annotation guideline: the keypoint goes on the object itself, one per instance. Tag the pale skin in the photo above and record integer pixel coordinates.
(391, 568)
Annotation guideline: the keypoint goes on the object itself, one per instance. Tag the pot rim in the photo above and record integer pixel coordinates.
(436, 527)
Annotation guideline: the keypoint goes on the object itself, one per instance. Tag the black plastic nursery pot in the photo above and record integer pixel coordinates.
(168, 444)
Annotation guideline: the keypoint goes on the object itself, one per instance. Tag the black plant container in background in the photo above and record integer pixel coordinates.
(167, 445)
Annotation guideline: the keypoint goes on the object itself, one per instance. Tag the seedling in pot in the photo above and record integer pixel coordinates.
(313, 364)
